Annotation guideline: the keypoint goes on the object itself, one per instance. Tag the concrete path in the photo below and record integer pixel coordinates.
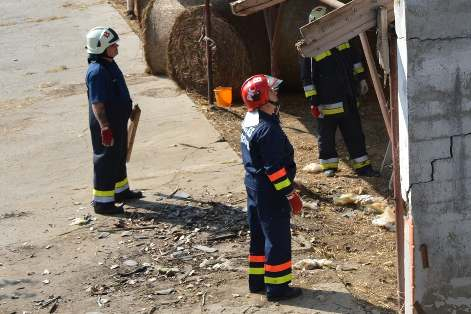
(46, 167)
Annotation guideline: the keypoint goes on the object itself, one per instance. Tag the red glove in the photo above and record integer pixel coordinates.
(315, 112)
(106, 136)
(295, 202)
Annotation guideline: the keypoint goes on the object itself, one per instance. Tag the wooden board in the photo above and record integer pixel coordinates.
(247, 7)
(341, 25)
(132, 129)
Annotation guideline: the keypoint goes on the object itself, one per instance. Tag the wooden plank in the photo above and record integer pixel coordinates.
(247, 7)
(341, 25)
(383, 42)
(132, 129)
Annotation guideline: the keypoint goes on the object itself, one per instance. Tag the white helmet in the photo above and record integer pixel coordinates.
(99, 38)
(317, 13)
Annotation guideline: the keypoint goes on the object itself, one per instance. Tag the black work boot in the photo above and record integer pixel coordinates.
(107, 209)
(367, 171)
(289, 293)
(260, 290)
(128, 195)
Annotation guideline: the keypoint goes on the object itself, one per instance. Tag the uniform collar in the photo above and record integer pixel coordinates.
(269, 117)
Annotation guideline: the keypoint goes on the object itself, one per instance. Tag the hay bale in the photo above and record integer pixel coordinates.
(159, 17)
(187, 55)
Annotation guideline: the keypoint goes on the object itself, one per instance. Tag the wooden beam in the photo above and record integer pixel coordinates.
(247, 7)
(341, 25)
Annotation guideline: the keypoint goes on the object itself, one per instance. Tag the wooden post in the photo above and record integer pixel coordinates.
(396, 170)
(209, 72)
(272, 23)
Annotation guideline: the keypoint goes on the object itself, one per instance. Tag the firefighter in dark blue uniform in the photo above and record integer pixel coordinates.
(331, 82)
(268, 159)
(110, 107)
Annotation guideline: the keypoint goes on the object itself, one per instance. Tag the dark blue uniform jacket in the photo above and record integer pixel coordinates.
(106, 84)
(267, 154)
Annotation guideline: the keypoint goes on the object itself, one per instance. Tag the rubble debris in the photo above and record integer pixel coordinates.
(313, 205)
(81, 221)
(114, 266)
(126, 234)
(165, 291)
(169, 272)
(310, 264)
(205, 248)
(98, 290)
(373, 204)
(345, 199)
(102, 301)
(349, 214)
(387, 219)
(347, 267)
(181, 195)
(223, 236)
(137, 270)
(46, 281)
(103, 235)
(130, 263)
(45, 303)
(312, 168)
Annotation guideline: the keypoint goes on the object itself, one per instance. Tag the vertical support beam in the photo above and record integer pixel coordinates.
(376, 83)
(209, 59)
(396, 169)
(273, 24)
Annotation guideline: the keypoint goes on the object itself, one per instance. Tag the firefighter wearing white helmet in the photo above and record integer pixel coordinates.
(110, 107)
(332, 81)
(99, 38)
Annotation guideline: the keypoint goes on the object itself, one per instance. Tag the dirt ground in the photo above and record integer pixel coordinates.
(331, 230)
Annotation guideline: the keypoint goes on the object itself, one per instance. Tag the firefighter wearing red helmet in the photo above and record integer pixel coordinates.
(270, 169)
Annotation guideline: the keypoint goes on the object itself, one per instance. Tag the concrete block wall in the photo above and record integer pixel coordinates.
(434, 65)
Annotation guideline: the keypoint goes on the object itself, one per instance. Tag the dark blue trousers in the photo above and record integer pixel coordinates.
(270, 242)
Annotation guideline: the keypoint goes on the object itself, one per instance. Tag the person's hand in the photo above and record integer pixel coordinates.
(295, 202)
(363, 87)
(107, 137)
(315, 112)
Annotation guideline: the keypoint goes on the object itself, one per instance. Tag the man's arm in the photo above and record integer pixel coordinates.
(100, 114)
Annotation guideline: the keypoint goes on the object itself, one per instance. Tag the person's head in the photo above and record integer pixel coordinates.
(102, 42)
(317, 13)
(261, 92)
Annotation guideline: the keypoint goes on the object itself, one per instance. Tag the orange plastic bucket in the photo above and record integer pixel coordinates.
(223, 96)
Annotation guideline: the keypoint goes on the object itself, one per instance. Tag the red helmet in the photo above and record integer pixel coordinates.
(255, 90)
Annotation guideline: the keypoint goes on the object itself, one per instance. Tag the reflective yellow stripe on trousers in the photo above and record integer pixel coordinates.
(121, 186)
(279, 280)
(103, 196)
(323, 55)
